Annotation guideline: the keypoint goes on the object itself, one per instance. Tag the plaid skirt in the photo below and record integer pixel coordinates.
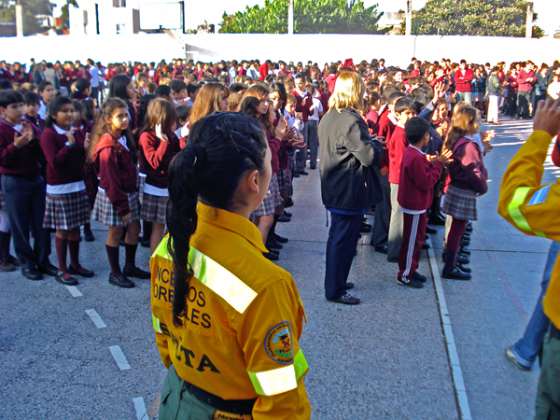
(66, 211)
(460, 204)
(154, 208)
(272, 200)
(285, 183)
(104, 212)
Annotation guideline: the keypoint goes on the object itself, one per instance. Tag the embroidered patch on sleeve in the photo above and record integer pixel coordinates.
(278, 343)
(539, 196)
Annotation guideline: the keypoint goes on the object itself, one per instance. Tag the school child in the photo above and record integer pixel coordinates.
(83, 125)
(117, 204)
(467, 180)
(158, 145)
(67, 206)
(179, 93)
(419, 175)
(32, 105)
(404, 110)
(21, 161)
(47, 93)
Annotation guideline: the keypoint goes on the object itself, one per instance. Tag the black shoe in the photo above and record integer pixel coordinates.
(279, 239)
(419, 277)
(287, 213)
(465, 242)
(313, 167)
(469, 228)
(296, 174)
(349, 285)
(31, 273)
(145, 243)
(346, 299)
(283, 219)
(412, 283)
(366, 228)
(7, 267)
(289, 202)
(464, 268)
(136, 273)
(465, 251)
(303, 173)
(430, 230)
(88, 235)
(392, 260)
(48, 269)
(120, 280)
(455, 274)
(81, 271)
(463, 259)
(382, 249)
(273, 245)
(66, 279)
(272, 256)
(425, 245)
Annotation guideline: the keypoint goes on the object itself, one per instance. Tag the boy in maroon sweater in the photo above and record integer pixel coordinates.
(418, 176)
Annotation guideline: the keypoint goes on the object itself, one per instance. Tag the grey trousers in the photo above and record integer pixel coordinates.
(395, 226)
(382, 213)
(301, 154)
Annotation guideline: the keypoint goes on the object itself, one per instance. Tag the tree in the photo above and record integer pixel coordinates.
(32, 9)
(310, 16)
(473, 17)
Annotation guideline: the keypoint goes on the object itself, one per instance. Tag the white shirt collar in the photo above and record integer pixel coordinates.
(416, 148)
(60, 130)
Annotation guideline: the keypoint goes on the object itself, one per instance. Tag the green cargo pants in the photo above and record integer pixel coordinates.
(548, 393)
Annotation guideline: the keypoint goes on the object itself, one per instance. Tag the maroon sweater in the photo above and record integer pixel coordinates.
(396, 146)
(467, 170)
(155, 157)
(25, 161)
(417, 180)
(117, 172)
(463, 80)
(65, 164)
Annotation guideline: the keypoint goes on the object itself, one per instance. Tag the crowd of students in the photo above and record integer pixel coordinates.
(80, 140)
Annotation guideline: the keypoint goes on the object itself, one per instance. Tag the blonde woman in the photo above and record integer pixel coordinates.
(211, 97)
(348, 186)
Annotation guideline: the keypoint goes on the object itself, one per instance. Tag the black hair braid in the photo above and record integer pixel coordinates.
(222, 147)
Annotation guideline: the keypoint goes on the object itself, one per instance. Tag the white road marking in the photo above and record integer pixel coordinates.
(452, 354)
(74, 291)
(120, 358)
(140, 408)
(96, 319)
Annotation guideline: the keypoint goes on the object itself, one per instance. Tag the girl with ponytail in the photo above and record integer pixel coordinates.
(215, 297)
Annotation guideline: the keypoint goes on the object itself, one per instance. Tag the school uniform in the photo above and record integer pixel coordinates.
(117, 194)
(303, 105)
(273, 198)
(67, 204)
(396, 146)
(24, 194)
(417, 179)
(155, 157)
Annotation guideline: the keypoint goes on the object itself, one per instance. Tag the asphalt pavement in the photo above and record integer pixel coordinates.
(88, 352)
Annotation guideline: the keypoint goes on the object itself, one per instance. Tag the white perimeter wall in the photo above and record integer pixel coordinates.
(319, 48)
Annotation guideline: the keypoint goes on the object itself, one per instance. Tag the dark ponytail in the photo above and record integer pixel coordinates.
(221, 148)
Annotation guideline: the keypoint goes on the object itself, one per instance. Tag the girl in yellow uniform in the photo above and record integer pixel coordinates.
(227, 320)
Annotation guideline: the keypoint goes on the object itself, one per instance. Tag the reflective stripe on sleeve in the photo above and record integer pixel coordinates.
(514, 210)
(277, 381)
(156, 324)
(216, 277)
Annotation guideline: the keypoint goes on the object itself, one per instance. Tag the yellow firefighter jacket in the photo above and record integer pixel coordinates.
(244, 317)
(533, 207)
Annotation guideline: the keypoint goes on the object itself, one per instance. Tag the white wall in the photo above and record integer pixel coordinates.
(320, 48)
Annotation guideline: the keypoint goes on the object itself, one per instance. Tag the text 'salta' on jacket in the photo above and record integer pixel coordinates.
(347, 155)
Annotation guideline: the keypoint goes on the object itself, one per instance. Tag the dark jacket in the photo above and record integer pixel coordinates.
(347, 154)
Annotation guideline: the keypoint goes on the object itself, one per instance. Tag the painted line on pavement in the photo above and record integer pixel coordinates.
(74, 291)
(452, 354)
(140, 408)
(120, 358)
(95, 318)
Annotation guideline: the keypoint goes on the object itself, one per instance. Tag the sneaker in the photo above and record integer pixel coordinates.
(419, 277)
(66, 279)
(136, 273)
(120, 280)
(511, 356)
(410, 282)
(346, 299)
